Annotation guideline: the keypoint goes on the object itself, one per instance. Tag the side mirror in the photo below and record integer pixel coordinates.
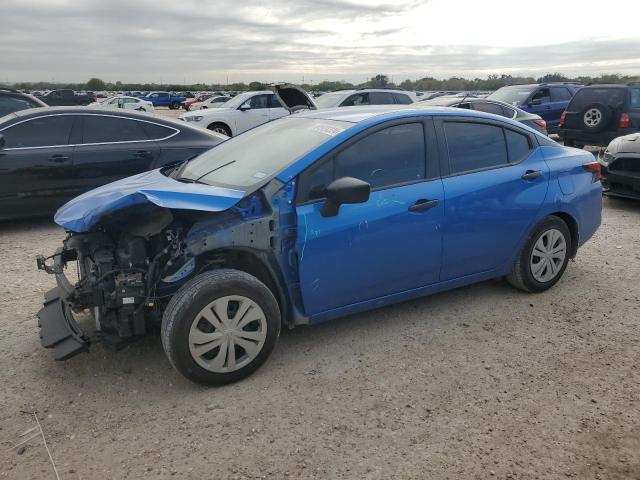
(344, 190)
(244, 107)
(2, 142)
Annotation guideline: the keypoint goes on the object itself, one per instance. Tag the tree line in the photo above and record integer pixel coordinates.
(492, 82)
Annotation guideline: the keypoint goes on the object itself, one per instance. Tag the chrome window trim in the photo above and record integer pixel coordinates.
(176, 131)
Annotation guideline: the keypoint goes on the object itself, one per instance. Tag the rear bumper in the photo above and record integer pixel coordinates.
(600, 138)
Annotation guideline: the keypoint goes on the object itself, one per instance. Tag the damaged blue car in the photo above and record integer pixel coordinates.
(309, 218)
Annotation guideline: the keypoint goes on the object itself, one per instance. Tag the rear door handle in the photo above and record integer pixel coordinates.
(423, 205)
(58, 158)
(531, 175)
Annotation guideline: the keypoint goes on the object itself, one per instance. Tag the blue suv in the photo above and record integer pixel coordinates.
(312, 217)
(548, 100)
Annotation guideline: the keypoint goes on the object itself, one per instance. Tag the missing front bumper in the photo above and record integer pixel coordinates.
(58, 329)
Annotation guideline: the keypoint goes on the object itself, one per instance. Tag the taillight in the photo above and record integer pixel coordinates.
(541, 123)
(562, 117)
(625, 121)
(595, 169)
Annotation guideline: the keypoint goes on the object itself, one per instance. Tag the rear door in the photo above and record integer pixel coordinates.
(540, 103)
(276, 110)
(111, 147)
(36, 165)
(253, 112)
(560, 97)
(390, 244)
(495, 180)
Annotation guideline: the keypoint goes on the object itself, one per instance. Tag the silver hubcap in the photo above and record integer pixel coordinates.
(592, 117)
(548, 255)
(220, 130)
(227, 334)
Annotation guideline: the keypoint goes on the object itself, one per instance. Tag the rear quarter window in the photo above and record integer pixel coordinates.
(634, 98)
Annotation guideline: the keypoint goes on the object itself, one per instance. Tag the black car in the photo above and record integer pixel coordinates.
(620, 167)
(490, 106)
(599, 113)
(50, 155)
(59, 98)
(13, 101)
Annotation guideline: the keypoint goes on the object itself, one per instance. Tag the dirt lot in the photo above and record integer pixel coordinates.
(480, 382)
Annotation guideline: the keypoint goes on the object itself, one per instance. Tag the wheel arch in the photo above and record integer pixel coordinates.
(254, 262)
(224, 124)
(572, 224)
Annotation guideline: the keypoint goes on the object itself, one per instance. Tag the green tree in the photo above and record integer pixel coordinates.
(95, 84)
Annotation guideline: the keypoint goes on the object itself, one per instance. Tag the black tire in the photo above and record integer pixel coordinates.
(521, 276)
(606, 115)
(185, 306)
(174, 105)
(220, 127)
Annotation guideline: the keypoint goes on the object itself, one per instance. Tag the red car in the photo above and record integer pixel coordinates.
(190, 101)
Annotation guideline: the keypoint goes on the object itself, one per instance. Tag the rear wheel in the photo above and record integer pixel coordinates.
(174, 105)
(543, 258)
(220, 327)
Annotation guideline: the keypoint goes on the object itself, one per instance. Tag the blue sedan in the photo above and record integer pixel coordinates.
(312, 217)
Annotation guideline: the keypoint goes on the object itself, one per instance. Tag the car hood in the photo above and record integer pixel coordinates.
(625, 144)
(83, 212)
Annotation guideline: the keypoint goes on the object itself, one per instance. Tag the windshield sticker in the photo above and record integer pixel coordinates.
(330, 130)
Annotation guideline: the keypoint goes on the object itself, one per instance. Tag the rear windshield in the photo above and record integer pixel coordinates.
(260, 153)
(612, 97)
(514, 95)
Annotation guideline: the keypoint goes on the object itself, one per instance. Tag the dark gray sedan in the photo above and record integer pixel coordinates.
(490, 106)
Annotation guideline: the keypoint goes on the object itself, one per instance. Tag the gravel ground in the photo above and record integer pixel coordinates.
(479, 382)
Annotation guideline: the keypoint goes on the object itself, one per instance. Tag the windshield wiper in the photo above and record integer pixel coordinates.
(217, 168)
(189, 180)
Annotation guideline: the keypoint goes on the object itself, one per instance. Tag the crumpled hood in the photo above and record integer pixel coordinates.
(84, 211)
(625, 144)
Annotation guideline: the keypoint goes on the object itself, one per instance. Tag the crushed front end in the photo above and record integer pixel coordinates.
(120, 273)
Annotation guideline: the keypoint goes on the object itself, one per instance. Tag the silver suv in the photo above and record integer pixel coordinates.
(364, 96)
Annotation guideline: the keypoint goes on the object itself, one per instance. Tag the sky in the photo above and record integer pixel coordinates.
(215, 41)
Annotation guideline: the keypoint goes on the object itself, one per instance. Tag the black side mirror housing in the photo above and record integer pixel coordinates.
(344, 190)
(244, 107)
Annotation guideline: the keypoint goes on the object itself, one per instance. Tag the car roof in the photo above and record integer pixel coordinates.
(388, 112)
(606, 85)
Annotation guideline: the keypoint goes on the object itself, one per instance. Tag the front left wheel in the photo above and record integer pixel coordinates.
(220, 327)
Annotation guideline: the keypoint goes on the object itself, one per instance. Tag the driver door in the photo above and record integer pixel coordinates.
(253, 112)
(390, 244)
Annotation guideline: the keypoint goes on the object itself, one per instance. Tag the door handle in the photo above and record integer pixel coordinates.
(531, 175)
(423, 205)
(58, 158)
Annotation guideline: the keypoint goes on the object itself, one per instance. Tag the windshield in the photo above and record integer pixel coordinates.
(329, 100)
(259, 153)
(515, 95)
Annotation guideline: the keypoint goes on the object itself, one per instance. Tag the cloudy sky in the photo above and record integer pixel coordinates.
(190, 41)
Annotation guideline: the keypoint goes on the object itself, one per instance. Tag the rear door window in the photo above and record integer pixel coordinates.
(541, 97)
(157, 132)
(381, 98)
(402, 98)
(356, 99)
(474, 146)
(560, 94)
(49, 131)
(488, 108)
(107, 129)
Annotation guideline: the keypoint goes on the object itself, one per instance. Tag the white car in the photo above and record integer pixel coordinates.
(126, 102)
(239, 114)
(365, 96)
(215, 101)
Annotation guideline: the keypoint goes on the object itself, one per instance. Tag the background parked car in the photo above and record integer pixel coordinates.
(490, 106)
(364, 96)
(14, 101)
(190, 101)
(164, 99)
(126, 102)
(599, 113)
(239, 114)
(621, 167)
(58, 98)
(548, 100)
(50, 155)
(215, 101)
